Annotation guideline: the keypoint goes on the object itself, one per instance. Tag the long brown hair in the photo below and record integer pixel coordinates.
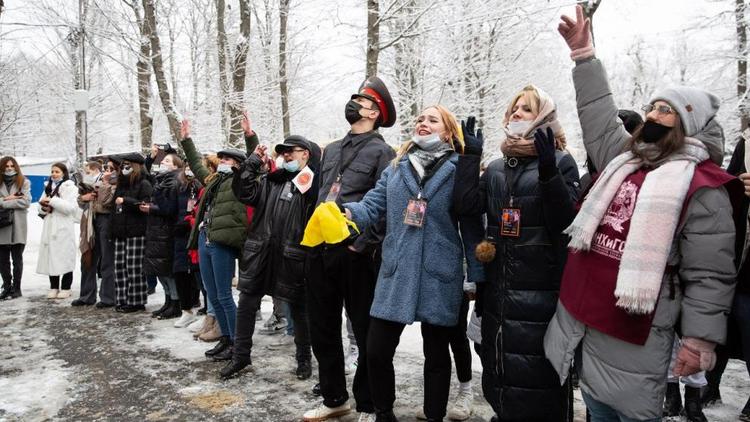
(452, 128)
(135, 175)
(655, 153)
(19, 175)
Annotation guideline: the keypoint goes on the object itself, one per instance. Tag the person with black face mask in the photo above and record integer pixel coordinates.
(345, 274)
(652, 246)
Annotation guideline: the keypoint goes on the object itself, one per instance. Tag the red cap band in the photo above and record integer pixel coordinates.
(379, 101)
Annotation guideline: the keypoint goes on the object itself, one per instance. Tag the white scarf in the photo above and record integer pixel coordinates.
(653, 224)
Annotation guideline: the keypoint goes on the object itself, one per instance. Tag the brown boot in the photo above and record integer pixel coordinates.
(208, 321)
(213, 334)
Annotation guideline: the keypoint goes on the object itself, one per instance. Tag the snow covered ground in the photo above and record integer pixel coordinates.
(63, 363)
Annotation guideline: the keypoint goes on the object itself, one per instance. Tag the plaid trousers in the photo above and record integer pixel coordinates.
(130, 283)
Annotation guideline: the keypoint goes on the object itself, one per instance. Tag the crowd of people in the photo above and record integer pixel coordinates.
(624, 282)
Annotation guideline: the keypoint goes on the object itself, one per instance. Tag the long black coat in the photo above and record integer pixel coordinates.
(188, 192)
(273, 261)
(523, 283)
(128, 220)
(162, 216)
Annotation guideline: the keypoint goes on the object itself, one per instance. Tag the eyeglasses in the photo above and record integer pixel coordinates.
(289, 151)
(662, 109)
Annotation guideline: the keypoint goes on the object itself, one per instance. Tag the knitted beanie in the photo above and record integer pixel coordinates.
(695, 106)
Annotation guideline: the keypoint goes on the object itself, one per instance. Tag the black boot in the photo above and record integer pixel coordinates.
(304, 369)
(710, 395)
(163, 308)
(673, 400)
(225, 354)
(16, 289)
(172, 311)
(745, 414)
(7, 292)
(386, 416)
(316, 389)
(234, 367)
(693, 409)
(223, 343)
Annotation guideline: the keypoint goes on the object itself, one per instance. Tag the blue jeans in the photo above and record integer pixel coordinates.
(217, 268)
(601, 412)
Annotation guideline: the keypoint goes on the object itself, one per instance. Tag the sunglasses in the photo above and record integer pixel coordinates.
(662, 109)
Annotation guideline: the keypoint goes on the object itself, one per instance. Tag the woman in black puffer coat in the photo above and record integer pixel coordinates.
(129, 233)
(529, 197)
(162, 216)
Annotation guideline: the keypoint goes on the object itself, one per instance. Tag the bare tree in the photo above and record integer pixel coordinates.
(157, 62)
(373, 37)
(743, 109)
(223, 51)
(143, 75)
(589, 8)
(283, 88)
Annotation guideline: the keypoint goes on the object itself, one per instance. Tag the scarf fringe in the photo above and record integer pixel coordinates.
(580, 238)
(637, 301)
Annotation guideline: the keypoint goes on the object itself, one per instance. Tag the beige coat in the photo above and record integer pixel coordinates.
(15, 233)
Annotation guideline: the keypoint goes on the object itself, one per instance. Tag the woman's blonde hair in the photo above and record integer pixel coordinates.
(531, 96)
(452, 129)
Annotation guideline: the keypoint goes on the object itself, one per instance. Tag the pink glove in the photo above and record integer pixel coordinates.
(577, 34)
(695, 355)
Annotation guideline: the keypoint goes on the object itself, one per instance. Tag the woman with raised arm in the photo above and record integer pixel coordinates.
(653, 245)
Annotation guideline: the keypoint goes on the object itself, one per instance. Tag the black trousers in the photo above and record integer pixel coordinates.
(245, 327)
(14, 252)
(67, 281)
(382, 340)
(338, 277)
(102, 262)
(186, 289)
(459, 344)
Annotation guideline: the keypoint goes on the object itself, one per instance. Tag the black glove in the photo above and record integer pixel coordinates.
(545, 149)
(479, 299)
(473, 143)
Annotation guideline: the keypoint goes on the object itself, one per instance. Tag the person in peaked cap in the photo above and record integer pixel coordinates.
(273, 259)
(346, 272)
(219, 231)
(374, 89)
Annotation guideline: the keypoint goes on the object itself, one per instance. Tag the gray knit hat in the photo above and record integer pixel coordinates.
(695, 106)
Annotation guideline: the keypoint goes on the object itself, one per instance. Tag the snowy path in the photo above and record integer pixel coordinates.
(69, 364)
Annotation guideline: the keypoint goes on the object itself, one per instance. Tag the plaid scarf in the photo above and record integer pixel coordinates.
(653, 224)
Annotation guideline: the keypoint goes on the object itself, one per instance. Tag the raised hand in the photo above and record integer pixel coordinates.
(260, 151)
(154, 150)
(473, 142)
(577, 34)
(247, 126)
(185, 129)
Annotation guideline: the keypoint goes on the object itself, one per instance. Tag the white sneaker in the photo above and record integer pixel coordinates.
(63, 294)
(274, 325)
(283, 341)
(186, 319)
(350, 363)
(366, 417)
(461, 409)
(235, 281)
(52, 294)
(197, 325)
(323, 412)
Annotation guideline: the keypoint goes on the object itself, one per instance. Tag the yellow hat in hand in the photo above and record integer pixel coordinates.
(327, 224)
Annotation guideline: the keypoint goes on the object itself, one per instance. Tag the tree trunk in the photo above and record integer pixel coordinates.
(283, 88)
(237, 100)
(739, 12)
(221, 41)
(143, 70)
(589, 8)
(149, 14)
(373, 38)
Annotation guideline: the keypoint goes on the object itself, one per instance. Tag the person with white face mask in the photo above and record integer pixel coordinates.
(219, 232)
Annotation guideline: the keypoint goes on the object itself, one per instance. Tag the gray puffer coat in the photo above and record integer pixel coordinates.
(628, 377)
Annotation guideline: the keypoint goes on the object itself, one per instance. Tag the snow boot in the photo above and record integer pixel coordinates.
(7, 292)
(710, 395)
(212, 334)
(172, 311)
(225, 354)
(387, 416)
(163, 308)
(693, 411)
(304, 369)
(234, 367)
(673, 400)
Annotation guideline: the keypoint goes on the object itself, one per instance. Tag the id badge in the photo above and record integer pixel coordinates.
(191, 205)
(286, 192)
(333, 194)
(415, 212)
(510, 222)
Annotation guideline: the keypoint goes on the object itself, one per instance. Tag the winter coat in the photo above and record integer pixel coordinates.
(57, 248)
(422, 272)
(16, 232)
(737, 167)
(128, 221)
(228, 223)
(188, 195)
(273, 261)
(523, 284)
(373, 155)
(629, 377)
(162, 216)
